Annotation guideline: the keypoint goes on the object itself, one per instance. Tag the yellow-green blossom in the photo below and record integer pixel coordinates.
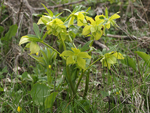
(111, 58)
(76, 57)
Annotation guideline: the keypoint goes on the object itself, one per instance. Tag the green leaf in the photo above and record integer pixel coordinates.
(39, 59)
(81, 62)
(50, 100)
(71, 21)
(129, 62)
(114, 16)
(67, 10)
(36, 30)
(98, 35)
(67, 53)
(86, 30)
(12, 32)
(28, 38)
(44, 19)
(89, 8)
(144, 56)
(70, 60)
(86, 46)
(1, 89)
(39, 93)
(84, 55)
(48, 10)
(80, 18)
(106, 12)
(1, 29)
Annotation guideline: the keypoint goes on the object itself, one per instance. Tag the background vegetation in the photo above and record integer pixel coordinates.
(122, 88)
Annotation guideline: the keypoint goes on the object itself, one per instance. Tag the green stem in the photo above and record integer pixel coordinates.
(69, 80)
(50, 47)
(49, 76)
(79, 81)
(91, 43)
(93, 63)
(64, 46)
(86, 84)
(74, 45)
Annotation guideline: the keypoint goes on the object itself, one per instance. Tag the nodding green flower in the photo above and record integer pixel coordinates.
(111, 58)
(19, 109)
(76, 57)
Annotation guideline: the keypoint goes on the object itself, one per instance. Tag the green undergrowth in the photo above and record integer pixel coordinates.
(67, 77)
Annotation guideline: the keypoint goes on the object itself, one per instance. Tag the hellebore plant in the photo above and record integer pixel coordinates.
(76, 61)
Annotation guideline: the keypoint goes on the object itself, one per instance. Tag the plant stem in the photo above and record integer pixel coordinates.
(64, 46)
(79, 81)
(69, 80)
(93, 63)
(86, 84)
(50, 47)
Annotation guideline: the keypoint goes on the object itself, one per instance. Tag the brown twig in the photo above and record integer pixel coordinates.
(61, 5)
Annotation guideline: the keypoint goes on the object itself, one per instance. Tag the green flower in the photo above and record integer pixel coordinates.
(76, 57)
(111, 58)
